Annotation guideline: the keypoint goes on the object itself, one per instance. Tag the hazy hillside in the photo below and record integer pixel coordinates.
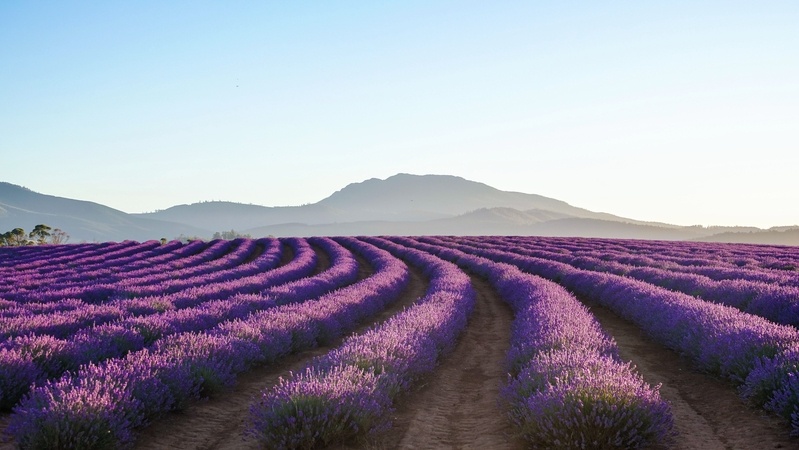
(493, 221)
(82, 220)
(425, 197)
(218, 216)
(400, 205)
(772, 236)
(402, 197)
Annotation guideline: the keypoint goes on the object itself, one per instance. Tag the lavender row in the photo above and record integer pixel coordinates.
(27, 257)
(719, 259)
(350, 390)
(756, 354)
(715, 268)
(250, 277)
(779, 304)
(103, 259)
(696, 261)
(11, 257)
(101, 405)
(35, 278)
(126, 269)
(567, 387)
(34, 358)
(102, 284)
(766, 258)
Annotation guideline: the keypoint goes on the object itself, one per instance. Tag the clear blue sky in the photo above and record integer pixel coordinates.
(682, 112)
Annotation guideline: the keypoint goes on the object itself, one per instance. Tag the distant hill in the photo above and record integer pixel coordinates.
(425, 197)
(220, 216)
(490, 221)
(403, 204)
(82, 220)
(401, 198)
(772, 236)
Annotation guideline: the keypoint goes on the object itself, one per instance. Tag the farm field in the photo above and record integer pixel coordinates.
(399, 342)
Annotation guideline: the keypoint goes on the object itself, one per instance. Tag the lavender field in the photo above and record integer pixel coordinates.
(399, 342)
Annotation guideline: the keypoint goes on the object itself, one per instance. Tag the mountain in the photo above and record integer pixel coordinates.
(403, 204)
(222, 216)
(400, 198)
(772, 236)
(81, 220)
(426, 197)
(490, 221)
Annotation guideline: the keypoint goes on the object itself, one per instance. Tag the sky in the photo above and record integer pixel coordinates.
(679, 112)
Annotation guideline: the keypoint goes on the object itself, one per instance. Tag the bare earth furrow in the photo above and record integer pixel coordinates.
(219, 423)
(457, 406)
(707, 412)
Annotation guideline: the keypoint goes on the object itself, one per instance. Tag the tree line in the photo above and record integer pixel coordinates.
(41, 235)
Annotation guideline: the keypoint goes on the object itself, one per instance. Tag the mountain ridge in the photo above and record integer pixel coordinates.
(401, 204)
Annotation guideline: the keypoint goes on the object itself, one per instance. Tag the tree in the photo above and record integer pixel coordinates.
(40, 232)
(16, 237)
(58, 236)
(232, 234)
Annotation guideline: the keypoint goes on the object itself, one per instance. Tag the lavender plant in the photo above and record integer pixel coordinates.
(350, 390)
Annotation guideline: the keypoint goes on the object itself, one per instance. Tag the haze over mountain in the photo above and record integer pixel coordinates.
(81, 220)
(402, 205)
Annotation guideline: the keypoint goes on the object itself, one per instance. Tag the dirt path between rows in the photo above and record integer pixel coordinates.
(458, 405)
(287, 254)
(707, 411)
(219, 423)
(256, 252)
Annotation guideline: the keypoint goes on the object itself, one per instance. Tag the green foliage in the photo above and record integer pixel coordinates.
(41, 234)
(232, 234)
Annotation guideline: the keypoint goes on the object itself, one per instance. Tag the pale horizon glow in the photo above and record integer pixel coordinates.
(685, 113)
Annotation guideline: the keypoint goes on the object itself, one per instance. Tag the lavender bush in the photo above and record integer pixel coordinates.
(182, 367)
(567, 386)
(367, 371)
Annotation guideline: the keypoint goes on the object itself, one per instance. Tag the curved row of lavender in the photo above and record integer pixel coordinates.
(747, 263)
(123, 278)
(350, 390)
(67, 316)
(765, 299)
(26, 257)
(29, 283)
(33, 358)
(101, 262)
(760, 356)
(775, 265)
(23, 258)
(100, 405)
(758, 258)
(696, 259)
(27, 270)
(567, 386)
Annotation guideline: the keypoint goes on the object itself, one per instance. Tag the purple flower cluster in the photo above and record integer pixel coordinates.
(123, 393)
(749, 350)
(774, 385)
(772, 296)
(133, 329)
(567, 386)
(350, 390)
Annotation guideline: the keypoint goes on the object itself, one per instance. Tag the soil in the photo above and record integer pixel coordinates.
(457, 406)
(707, 411)
(219, 423)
